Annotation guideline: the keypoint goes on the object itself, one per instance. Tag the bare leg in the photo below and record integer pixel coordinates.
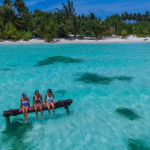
(48, 106)
(27, 108)
(52, 104)
(24, 114)
(35, 107)
(40, 105)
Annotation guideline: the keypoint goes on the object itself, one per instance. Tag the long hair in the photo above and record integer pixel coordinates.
(49, 90)
(36, 91)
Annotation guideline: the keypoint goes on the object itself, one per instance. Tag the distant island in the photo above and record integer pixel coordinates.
(17, 22)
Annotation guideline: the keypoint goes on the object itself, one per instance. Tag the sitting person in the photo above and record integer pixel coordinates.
(49, 97)
(37, 99)
(24, 106)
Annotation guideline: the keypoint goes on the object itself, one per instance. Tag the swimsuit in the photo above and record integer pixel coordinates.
(38, 99)
(49, 99)
(25, 103)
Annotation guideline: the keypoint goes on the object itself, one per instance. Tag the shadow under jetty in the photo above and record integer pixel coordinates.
(138, 145)
(62, 59)
(99, 79)
(16, 133)
(128, 113)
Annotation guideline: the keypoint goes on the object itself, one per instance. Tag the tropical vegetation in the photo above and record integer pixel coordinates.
(18, 22)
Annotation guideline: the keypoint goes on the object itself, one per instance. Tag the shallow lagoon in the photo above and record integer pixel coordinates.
(100, 78)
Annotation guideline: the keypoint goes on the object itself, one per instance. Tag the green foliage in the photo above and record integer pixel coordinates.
(48, 38)
(124, 33)
(52, 28)
(81, 35)
(8, 31)
(143, 35)
(15, 15)
(26, 35)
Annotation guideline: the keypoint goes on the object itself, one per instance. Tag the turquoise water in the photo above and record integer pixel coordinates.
(109, 85)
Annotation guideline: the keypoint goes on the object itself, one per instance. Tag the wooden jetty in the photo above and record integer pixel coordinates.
(15, 112)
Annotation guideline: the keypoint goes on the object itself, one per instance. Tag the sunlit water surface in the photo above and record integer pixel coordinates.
(108, 83)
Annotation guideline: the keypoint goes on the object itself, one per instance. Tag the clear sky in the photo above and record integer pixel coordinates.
(102, 8)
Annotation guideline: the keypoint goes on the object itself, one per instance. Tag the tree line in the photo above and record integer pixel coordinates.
(17, 22)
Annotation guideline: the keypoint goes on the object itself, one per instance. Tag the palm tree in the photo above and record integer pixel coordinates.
(123, 16)
(68, 9)
(98, 28)
(82, 17)
(74, 25)
(19, 5)
(8, 2)
(147, 15)
(126, 15)
(130, 17)
(26, 17)
(7, 14)
(134, 16)
(92, 16)
(139, 17)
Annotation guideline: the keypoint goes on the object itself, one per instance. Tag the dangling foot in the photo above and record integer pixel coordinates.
(37, 117)
(25, 121)
(42, 118)
(54, 115)
(49, 115)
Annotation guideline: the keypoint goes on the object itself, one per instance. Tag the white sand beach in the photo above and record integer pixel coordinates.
(70, 41)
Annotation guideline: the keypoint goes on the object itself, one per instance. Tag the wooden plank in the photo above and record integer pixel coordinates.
(59, 104)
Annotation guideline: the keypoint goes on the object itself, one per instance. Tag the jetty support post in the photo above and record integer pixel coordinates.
(67, 109)
(7, 120)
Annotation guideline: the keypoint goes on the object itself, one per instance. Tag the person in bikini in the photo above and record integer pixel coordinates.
(24, 106)
(49, 97)
(37, 99)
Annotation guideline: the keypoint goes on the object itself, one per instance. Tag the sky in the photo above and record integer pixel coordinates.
(101, 8)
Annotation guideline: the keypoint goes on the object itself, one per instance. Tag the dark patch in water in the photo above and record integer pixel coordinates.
(61, 92)
(137, 145)
(6, 69)
(16, 133)
(62, 59)
(99, 79)
(127, 113)
(123, 78)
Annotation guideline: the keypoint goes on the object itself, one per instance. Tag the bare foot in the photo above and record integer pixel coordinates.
(37, 117)
(42, 118)
(49, 115)
(54, 115)
(25, 122)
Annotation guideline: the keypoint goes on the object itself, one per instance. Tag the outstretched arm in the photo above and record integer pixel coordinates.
(41, 99)
(45, 98)
(28, 102)
(53, 97)
(20, 103)
(33, 102)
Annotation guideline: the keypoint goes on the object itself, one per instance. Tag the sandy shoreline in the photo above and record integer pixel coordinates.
(68, 41)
